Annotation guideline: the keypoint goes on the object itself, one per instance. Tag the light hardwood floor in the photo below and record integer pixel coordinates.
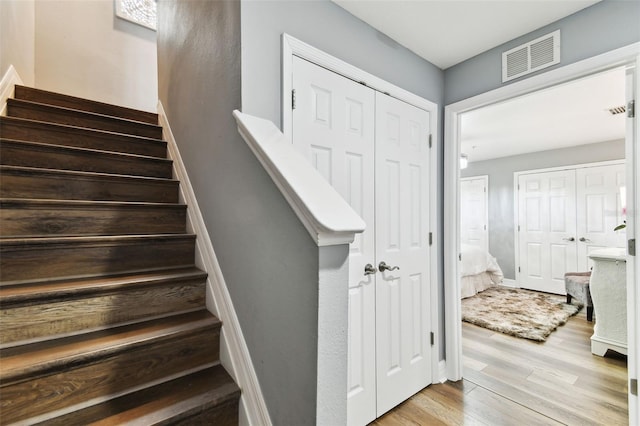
(512, 381)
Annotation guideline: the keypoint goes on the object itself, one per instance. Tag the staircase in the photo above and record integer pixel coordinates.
(102, 311)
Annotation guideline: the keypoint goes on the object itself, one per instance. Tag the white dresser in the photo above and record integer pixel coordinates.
(608, 286)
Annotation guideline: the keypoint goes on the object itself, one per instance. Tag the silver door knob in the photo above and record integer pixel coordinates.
(569, 239)
(369, 269)
(384, 267)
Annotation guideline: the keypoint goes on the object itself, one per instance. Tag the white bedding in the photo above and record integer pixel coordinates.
(479, 271)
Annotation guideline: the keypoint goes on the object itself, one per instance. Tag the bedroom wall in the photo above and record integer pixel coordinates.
(501, 190)
(607, 25)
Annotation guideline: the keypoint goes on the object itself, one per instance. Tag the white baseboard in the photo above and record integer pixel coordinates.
(7, 87)
(509, 283)
(234, 354)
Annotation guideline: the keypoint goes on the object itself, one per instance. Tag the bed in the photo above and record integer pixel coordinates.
(479, 271)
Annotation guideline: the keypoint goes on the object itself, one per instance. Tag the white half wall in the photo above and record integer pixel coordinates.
(82, 49)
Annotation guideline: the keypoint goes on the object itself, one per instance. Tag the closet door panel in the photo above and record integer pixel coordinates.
(599, 210)
(333, 126)
(547, 229)
(402, 240)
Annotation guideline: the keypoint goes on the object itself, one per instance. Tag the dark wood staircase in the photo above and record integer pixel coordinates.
(102, 310)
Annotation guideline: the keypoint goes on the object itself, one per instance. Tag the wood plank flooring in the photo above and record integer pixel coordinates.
(512, 381)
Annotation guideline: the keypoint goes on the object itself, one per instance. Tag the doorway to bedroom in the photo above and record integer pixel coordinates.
(542, 184)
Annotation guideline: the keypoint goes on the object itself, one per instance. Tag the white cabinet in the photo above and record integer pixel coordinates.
(609, 293)
(563, 215)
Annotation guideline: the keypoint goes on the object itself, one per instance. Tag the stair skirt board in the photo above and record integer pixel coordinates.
(235, 348)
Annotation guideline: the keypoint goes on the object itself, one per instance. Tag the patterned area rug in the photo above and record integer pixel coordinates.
(521, 313)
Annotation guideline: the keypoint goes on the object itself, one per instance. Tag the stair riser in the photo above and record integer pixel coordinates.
(81, 138)
(94, 379)
(46, 157)
(21, 221)
(25, 185)
(44, 97)
(48, 318)
(224, 414)
(51, 261)
(74, 118)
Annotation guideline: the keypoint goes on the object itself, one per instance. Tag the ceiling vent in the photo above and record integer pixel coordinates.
(530, 57)
(617, 110)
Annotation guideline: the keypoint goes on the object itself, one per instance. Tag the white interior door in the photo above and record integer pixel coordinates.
(474, 211)
(546, 229)
(599, 210)
(333, 125)
(402, 240)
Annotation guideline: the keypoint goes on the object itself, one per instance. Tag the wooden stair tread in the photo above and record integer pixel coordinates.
(87, 151)
(32, 360)
(10, 295)
(173, 400)
(80, 118)
(59, 99)
(50, 203)
(22, 128)
(76, 174)
(60, 157)
(8, 243)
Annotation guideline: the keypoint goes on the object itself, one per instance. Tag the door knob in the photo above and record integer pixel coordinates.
(570, 239)
(384, 267)
(584, 240)
(369, 269)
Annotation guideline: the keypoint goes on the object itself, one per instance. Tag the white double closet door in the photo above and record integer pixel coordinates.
(374, 151)
(563, 216)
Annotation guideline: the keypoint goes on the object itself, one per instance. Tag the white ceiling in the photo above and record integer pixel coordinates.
(571, 114)
(446, 32)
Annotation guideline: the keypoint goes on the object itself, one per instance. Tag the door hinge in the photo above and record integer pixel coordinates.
(485, 227)
(433, 338)
(631, 247)
(519, 269)
(293, 99)
(430, 140)
(485, 189)
(430, 238)
(633, 386)
(518, 228)
(631, 109)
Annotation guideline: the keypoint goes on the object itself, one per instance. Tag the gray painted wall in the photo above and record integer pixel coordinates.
(275, 295)
(600, 28)
(330, 28)
(501, 195)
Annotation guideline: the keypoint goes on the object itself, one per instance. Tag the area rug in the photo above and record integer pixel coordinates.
(521, 313)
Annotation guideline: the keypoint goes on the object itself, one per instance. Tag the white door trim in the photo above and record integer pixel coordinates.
(516, 205)
(625, 56)
(294, 47)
